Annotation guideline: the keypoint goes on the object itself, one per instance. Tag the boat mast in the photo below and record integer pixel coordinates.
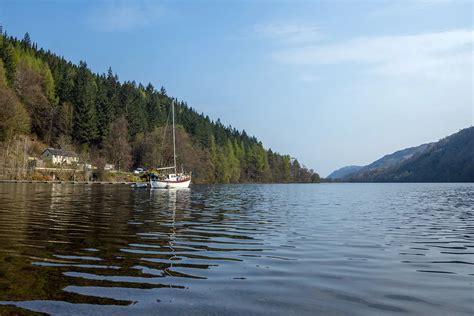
(174, 138)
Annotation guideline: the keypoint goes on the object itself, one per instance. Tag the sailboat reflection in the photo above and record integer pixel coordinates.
(176, 201)
(172, 198)
(172, 235)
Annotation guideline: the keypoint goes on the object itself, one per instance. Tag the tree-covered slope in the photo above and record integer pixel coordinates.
(448, 160)
(343, 172)
(395, 158)
(105, 120)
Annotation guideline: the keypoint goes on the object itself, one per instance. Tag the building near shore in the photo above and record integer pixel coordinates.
(59, 156)
(109, 167)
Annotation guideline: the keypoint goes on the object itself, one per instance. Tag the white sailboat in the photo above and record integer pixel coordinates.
(172, 180)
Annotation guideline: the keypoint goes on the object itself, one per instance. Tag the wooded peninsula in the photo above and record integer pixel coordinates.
(49, 102)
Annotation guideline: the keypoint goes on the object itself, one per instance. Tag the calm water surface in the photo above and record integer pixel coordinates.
(329, 249)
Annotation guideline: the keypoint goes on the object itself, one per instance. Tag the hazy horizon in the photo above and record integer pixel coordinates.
(331, 83)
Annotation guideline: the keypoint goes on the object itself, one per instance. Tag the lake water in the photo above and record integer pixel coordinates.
(328, 249)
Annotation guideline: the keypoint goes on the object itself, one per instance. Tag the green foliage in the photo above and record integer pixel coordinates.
(85, 121)
(233, 163)
(9, 60)
(29, 84)
(13, 117)
(214, 159)
(49, 87)
(3, 77)
(104, 112)
(26, 42)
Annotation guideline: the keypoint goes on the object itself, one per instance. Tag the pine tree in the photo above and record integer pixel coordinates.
(134, 101)
(112, 89)
(66, 85)
(9, 62)
(224, 173)
(295, 171)
(104, 112)
(162, 91)
(85, 121)
(261, 163)
(233, 163)
(26, 42)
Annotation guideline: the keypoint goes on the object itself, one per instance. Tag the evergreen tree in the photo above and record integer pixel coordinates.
(295, 170)
(134, 99)
(104, 112)
(233, 163)
(14, 119)
(154, 113)
(163, 91)
(26, 42)
(112, 87)
(85, 121)
(9, 62)
(66, 85)
(286, 168)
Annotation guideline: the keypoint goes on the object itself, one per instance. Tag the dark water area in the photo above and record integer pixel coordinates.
(328, 249)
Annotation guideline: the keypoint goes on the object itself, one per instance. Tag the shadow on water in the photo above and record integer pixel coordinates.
(259, 249)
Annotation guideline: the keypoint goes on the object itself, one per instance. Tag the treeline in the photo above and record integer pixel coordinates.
(107, 121)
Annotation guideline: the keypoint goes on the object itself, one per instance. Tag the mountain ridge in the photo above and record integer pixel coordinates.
(343, 172)
(450, 159)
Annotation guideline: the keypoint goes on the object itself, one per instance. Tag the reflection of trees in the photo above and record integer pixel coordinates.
(39, 221)
(111, 236)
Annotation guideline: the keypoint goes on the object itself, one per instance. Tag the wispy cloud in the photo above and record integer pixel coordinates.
(125, 15)
(289, 32)
(439, 54)
(402, 7)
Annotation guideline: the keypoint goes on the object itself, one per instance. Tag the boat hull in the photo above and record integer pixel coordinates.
(169, 184)
(139, 185)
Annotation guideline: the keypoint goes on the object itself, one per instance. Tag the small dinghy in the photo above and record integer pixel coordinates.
(139, 185)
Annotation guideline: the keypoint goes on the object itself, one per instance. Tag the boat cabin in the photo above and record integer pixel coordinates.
(170, 177)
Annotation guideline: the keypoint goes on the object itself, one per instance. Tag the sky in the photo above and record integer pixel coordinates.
(332, 83)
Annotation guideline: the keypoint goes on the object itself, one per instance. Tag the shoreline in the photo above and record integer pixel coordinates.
(66, 182)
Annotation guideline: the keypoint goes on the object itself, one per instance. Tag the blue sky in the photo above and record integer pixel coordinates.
(333, 83)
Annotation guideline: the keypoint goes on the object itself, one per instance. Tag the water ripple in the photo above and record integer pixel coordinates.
(336, 249)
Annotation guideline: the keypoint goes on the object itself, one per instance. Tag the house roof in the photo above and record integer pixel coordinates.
(60, 152)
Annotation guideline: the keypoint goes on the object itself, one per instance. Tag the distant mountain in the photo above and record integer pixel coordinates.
(343, 172)
(379, 165)
(395, 158)
(448, 160)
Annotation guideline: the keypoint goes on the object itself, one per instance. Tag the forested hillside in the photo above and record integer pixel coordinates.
(448, 160)
(65, 105)
(343, 172)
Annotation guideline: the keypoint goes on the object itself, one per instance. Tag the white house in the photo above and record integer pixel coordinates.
(59, 156)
